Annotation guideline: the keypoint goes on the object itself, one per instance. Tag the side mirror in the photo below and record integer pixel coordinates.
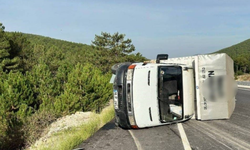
(161, 57)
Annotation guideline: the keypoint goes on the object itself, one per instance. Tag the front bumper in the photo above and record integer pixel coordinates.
(119, 85)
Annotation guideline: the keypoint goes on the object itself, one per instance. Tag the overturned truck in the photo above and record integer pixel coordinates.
(173, 90)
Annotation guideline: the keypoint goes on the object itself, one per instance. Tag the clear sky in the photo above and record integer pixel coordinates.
(175, 27)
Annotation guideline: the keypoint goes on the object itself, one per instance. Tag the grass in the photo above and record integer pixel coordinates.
(70, 138)
(245, 77)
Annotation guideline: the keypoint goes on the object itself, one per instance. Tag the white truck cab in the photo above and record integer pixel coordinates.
(173, 90)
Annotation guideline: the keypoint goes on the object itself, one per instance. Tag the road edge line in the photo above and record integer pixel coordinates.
(184, 138)
(243, 86)
(137, 143)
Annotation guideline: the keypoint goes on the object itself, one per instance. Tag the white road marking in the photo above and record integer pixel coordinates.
(137, 143)
(243, 86)
(184, 139)
(244, 89)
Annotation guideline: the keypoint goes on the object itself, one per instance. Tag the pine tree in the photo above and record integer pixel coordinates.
(111, 49)
(20, 48)
(7, 60)
(115, 43)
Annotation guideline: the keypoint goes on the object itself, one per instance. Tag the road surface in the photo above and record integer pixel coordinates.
(198, 135)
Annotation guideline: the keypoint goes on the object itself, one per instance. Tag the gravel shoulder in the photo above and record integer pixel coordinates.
(68, 131)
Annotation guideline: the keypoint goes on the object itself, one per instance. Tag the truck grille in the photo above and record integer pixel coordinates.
(120, 97)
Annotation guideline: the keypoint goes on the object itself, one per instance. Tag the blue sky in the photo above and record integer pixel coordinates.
(178, 28)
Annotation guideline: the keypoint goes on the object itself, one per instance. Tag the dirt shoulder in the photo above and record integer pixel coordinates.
(69, 131)
(245, 77)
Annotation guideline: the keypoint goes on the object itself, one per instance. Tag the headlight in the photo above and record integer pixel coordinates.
(129, 74)
(131, 120)
(130, 96)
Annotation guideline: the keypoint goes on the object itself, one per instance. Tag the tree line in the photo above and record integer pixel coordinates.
(42, 79)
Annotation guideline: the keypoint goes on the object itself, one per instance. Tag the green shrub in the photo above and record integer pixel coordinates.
(36, 124)
(16, 103)
(239, 73)
(86, 89)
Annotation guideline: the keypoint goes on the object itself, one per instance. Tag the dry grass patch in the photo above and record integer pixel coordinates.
(245, 77)
(69, 138)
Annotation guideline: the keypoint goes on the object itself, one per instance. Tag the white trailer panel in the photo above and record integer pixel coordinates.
(215, 76)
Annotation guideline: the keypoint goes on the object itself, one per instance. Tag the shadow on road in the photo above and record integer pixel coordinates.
(109, 126)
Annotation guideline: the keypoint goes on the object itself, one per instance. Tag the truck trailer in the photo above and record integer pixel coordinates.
(171, 90)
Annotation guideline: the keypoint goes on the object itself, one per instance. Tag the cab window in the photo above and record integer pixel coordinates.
(170, 93)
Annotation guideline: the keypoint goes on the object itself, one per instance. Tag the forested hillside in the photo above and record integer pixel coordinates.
(42, 79)
(240, 53)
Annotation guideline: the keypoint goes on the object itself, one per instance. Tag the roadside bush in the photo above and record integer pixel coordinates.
(36, 125)
(86, 89)
(16, 100)
(239, 73)
(44, 86)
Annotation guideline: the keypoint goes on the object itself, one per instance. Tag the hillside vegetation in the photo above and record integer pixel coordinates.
(240, 53)
(42, 79)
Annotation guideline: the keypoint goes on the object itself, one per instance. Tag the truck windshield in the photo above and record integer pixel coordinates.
(170, 93)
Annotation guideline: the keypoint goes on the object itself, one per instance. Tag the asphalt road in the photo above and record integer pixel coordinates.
(201, 135)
